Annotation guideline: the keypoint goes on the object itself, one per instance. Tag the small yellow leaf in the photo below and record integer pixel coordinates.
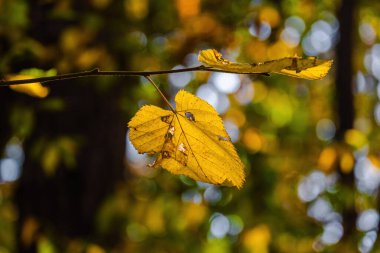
(191, 141)
(307, 68)
(31, 89)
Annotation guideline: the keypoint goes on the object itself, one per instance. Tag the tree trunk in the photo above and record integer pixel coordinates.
(68, 200)
(344, 101)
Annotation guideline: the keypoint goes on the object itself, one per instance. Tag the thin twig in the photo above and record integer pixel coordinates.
(97, 72)
(159, 91)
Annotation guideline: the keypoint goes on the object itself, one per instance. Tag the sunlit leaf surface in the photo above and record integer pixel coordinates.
(306, 68)
(191, 141)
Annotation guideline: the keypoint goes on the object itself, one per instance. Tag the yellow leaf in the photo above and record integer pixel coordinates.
(191, 141)
(307, 68)
(31, 89)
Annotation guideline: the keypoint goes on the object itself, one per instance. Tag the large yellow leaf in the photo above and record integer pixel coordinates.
(190, 140)
(307, 68)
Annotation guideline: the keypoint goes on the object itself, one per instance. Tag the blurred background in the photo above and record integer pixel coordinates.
(70, 180)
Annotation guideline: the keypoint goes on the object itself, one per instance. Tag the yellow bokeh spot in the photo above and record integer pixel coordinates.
(327, 159)
(89, 58)
(154, 218)
(93, 248)
(187, 8)
(202, 25)
(252, 140)
(270, 144)
(73, 38)
(29, 230)
(279, 107)
(236, 116)
(44, 245)
(256, 51)
(31, 89)
(216, 245)
(100, 4)
(279, 50)
(136, 9)
(50, 159)
(270, 15)
(295, 244)
(194, 214)
(355, 138)
(346, 162)
(375, 160)
(257, 239)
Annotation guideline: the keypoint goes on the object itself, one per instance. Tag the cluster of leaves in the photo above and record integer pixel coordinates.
(191, 139)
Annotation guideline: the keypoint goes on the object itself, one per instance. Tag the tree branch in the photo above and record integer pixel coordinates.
(97, 72)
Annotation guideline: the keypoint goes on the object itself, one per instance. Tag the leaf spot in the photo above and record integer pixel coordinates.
(170, 133)
(165, 118)
(182, 148)
(152, 164)
(222, 138)
(190, 116)
(165, 154)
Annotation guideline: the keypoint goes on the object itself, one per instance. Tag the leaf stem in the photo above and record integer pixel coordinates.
(97, 72)
(159, 91)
